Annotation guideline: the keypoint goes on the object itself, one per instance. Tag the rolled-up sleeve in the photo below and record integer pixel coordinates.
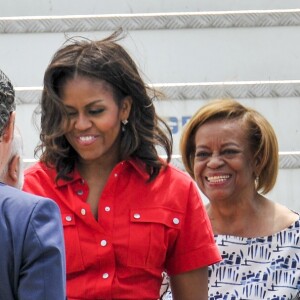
(195, 245)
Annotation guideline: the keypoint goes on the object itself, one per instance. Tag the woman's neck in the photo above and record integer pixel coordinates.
(93, 170)
(239, 218)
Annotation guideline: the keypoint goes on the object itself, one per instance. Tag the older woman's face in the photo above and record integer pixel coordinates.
(224, 166)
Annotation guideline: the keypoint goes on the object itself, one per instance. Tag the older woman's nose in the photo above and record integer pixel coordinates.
(215, 161)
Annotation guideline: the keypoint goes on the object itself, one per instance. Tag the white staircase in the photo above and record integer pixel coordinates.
(247, 50)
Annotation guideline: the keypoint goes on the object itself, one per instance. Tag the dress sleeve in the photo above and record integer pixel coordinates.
(42, 274)
(195, 246)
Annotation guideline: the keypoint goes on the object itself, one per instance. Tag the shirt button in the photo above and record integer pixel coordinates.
(68, 218)
(103, 243)
(176, 221)
(107, 208)
(80, 192)
(83, 211)
(105, 276)
(137, 216)
(116, 175)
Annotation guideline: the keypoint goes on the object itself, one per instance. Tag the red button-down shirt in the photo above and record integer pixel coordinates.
(142, 230)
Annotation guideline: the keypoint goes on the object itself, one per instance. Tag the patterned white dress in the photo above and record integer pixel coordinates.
(257, 268)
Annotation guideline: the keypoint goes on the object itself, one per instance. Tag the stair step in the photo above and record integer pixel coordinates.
(150, 21)
(201, 90)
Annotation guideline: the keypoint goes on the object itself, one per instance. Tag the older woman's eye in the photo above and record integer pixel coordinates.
(230, 152)
(202, 154)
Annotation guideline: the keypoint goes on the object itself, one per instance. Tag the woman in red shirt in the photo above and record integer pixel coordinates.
(128, 215)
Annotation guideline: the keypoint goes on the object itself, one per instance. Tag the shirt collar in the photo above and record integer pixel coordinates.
(74, 175)
(137, 165)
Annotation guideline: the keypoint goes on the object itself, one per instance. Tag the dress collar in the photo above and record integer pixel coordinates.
(136, 164)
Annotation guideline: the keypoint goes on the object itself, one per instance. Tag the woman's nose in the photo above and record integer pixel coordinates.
(215, 162)
(82, 122)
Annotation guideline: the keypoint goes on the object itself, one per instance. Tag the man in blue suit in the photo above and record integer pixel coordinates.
(32, 261)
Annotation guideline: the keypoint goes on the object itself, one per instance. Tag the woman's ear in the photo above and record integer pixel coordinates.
(126, 107)
(8, 133)
(257, 166)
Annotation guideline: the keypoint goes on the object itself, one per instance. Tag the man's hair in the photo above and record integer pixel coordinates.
(7, 101)
(17, 144)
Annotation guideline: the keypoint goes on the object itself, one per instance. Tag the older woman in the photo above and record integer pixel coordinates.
(232, 153)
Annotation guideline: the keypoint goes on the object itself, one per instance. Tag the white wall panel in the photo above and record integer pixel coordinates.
(253, 56)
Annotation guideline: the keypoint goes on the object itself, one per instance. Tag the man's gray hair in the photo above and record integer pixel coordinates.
(7, 101)
(16, 150)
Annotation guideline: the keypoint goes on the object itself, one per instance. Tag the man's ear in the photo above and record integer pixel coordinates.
(9, 130)
(14, 169)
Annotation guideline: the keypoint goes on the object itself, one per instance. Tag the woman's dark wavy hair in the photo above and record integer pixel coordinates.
(104, 60)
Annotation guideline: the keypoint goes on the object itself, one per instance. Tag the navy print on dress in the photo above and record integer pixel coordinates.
(257, 268)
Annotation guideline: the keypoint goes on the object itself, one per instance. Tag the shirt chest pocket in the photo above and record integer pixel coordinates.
(152, 234)
(74, 261)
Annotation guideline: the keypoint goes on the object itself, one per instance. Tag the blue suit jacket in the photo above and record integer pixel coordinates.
(32, 255)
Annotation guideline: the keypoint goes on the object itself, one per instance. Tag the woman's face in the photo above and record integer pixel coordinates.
(224, 167)
(95, 118)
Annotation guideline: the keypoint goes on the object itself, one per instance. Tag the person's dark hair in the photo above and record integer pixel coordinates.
(260, 135)
(104, 60)
(7, 101)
